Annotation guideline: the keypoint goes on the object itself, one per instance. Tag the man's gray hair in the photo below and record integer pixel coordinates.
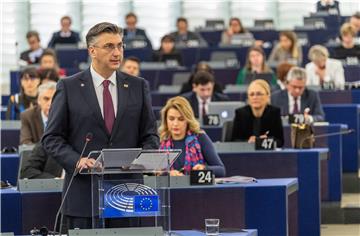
(46, 86)
(296, 73)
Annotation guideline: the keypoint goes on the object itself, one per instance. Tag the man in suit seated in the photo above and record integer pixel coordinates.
(65, 35)
(33, 54)
(131, 32)
(39, 165)
(34, 119)
(296, 98)
(131, 66)
(184, 37)
(203, 93)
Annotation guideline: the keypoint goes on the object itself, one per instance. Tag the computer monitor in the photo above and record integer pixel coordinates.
(225, 110)
(268, 77)
(215, 24)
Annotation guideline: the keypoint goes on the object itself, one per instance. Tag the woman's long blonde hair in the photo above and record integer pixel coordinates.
(183, 106)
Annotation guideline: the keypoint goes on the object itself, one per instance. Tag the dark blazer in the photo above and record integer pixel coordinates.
(57, 39)
(32, 126)
(270, 122)
(158, 56)
(138, 32)
(38, 165)
(182, 40)
(309, 99)
(25, 56)
(320, 7)
(75, 112)
(191, 97)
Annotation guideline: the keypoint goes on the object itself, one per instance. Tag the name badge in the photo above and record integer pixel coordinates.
(265, 144)
(201, 177)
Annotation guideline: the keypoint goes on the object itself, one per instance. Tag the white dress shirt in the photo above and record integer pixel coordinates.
(200, 101)
(334, 73)
(99, 88)
(292, 102)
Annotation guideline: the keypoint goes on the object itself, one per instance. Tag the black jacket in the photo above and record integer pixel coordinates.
(191, 97)
(38, 165)
(270, 121)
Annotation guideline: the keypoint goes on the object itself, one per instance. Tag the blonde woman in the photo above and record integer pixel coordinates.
(324, 71)
(258, 118)
(180, 130)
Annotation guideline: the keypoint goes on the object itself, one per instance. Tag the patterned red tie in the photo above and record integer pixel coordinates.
(109, 113)
(296, 106)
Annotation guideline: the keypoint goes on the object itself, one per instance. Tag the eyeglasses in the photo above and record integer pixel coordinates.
(257, 94)
(109, 47)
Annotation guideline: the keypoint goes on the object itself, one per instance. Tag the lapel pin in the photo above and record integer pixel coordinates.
(82, 85)
(126, 85)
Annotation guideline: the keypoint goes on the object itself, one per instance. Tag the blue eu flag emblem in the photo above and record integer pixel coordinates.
(146, 203)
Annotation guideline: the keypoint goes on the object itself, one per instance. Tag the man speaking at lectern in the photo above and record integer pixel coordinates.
(115, 107)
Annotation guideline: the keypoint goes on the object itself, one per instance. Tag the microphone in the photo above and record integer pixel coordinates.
(88, 138)
(348, 131)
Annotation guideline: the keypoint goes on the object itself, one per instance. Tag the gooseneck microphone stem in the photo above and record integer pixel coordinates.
(348, 131)
(88, 138)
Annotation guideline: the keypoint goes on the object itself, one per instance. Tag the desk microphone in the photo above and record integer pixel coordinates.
(348, 131)
(88, 138)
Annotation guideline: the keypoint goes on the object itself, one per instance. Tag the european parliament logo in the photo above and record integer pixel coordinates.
(129, 200)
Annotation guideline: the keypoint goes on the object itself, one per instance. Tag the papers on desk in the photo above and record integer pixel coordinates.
(235, 179)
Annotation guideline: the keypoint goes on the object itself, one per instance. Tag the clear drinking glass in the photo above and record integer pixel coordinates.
(212, 226)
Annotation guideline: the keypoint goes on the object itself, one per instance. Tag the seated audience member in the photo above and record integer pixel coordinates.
(180, 130)
(39, 165)
(287, 50)
(34, 119)
(203, 93)
(184, 37)
(330, 6)
(65, 35)
(281, 72)
(235, 28)
(201, 66)
(255, 64)
(131, 66)
(324, 71)
(132, 32)
(47, 75)
(297, 97)
(258, 118)
(48, 60)
(32, 55)
(167, 51)
(347, 49)
(355, 22)
(19, 102)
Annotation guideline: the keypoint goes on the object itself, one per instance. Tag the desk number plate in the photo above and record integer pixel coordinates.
(201, 177)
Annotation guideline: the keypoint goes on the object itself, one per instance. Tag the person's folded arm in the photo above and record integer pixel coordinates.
(211, 157)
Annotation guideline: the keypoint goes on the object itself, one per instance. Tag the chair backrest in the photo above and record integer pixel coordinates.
(227, 131)
(175, 89)
(180, 78)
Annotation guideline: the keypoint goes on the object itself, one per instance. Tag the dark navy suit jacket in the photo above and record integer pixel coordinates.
(191, 97)
(75, 112)
(309, 99)
(57, 39)
(138, 32)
